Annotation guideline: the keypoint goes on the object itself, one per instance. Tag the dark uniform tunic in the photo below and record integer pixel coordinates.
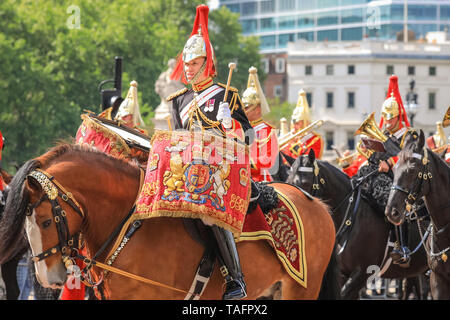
(201, 114)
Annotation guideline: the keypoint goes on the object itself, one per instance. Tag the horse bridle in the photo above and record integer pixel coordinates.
(316, 179)
(424, 175)
(52, 191)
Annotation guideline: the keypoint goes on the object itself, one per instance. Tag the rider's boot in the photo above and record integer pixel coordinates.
(235, 287)
(401, 253)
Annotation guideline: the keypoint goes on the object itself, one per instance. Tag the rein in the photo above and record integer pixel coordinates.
(54, 190)
(346, 222)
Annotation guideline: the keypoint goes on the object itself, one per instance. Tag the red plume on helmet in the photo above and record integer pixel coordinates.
(394, 91)
(200, 24)
(1, 145)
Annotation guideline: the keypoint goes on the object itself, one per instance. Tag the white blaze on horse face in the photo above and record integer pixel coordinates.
(34, 238)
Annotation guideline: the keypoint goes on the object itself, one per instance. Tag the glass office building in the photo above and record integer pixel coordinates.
(278, 22)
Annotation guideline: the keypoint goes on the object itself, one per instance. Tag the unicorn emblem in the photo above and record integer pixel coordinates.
(220, 182)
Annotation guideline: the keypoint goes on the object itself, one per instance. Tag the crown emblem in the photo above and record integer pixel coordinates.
(243, 176)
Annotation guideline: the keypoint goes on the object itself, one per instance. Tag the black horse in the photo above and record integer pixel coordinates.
(423, 173)
(362, 231)
(9, 268)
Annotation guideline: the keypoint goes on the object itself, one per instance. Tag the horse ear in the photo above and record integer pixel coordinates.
(33, 188)
(421, 139)
(311, 155)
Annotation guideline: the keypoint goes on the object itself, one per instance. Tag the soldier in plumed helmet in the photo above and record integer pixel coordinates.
(202, 107)
(264, 149)
(301, 118)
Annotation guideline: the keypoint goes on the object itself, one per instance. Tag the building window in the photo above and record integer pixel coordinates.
(411, 70)
(389, 70)
(267, 6)
(432, 71)
(351, 69)
(279, 65)
(249, 8)
(330, 69)
(308, 36)
(351, 34)
(327, 35)
(350, 140)
(309, 99)
(308, 70)
(431, 100)
(350, 100)
(285, 5)
(329, 137)
(265, 64)
(330, 99)
(278, 91)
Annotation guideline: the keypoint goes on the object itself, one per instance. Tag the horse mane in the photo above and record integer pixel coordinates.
(343, 175)
(13, 219)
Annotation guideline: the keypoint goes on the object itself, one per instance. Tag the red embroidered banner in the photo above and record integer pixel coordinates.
(111, 139)
(196, 175)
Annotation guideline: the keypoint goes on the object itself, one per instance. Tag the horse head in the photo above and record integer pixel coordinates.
(408, 178)
(52, 197)
(303, 172)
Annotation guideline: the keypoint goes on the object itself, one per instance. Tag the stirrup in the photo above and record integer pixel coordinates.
(234, 290)
(401, 257)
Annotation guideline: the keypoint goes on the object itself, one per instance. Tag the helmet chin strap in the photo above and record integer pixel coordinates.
(197, 75)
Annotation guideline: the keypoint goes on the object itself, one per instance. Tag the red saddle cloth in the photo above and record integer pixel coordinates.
(283, 229)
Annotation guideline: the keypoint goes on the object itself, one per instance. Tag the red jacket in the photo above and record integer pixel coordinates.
(302, 145)
(263, 151)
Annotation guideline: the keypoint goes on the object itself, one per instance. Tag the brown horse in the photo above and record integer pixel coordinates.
(102, 190)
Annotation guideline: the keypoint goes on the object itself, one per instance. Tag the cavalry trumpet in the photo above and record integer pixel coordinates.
(446, 120)
(284, 140)
(370, 129)
(347, 160)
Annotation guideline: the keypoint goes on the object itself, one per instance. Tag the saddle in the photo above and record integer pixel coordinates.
(265, 197)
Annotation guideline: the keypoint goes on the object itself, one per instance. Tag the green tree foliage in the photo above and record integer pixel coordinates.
(51, 67)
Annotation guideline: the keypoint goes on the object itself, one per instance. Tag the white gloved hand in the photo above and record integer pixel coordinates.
(224, 115)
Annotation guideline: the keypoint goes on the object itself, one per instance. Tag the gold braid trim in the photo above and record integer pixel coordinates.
(119, 147)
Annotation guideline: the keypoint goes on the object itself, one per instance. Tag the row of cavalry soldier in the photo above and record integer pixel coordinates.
(356, 193)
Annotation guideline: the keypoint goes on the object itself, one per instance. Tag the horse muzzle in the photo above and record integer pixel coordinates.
(394, 216)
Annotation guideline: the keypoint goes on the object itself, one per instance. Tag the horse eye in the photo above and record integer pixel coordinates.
(46, 223)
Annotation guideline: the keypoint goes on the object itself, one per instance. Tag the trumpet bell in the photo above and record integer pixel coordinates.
(446, 120)
(370, 129)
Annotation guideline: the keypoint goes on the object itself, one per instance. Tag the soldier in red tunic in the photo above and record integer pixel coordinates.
(311, 140)
(264, 149)
(2, 183)
(438, 142)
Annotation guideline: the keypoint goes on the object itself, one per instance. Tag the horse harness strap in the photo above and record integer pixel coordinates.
(424, 175)
(52, 190)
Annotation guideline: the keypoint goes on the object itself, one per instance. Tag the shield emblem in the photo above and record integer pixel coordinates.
(197, 177)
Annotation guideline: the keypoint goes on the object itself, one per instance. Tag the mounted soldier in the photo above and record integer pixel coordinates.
(207, 106)
(301, 138)
(264, 150)
(394, 123)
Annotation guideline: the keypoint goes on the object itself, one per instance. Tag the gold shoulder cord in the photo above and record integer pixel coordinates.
(197, 115)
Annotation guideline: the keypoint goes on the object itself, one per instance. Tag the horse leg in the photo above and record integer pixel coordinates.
(350, 290)
(272, 293)
(440, 286)
(9, 275)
